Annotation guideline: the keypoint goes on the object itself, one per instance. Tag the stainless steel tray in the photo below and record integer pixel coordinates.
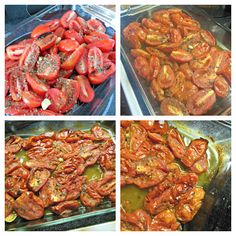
(105, 92)
(83, 216)
(147, 103)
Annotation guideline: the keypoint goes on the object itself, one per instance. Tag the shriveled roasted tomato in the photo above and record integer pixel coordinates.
(171, 106)
(67, 17)
(86, 92)
(48, 67)
(155, 39)
(221, 87)
(201, 102)
(68, 45)
(185, 68)
(201, 50)
(204, 79)
(166, 77)
(181, 56)
(208, 37)
(140, 52)
(142, 66)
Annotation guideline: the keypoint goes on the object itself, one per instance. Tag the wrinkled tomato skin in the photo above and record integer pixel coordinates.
(142, 66)
(166, 77)
(221, 87)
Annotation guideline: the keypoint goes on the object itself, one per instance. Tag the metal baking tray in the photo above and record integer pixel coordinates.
(83, 217)
(105, 92)
(147, 103)
(217, 180)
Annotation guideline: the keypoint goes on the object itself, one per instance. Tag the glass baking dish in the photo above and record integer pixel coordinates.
(148, 104)
(105, 92)
(83, 216)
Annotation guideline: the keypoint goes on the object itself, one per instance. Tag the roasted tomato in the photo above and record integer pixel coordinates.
(9, 204)
(53, 24)
(64, 208)
(208, 37)
(106, 45)
(68, 45)
(204, 79)
(46, 42)
(181, 56)
(95, 36)
(221, 87)
(200, 50)
(72, 34)
(40, 30)
(166, 77)
(67, 17)
(142, 66)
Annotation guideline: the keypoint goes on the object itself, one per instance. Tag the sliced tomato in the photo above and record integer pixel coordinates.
(46, 42)
(96, 25)
(31, 99)
(71, 90)
(65, 73)
(208, 37)
(26, 42)
(67, 17)
(68, 45)
(59, 32)
(175, 35)
(95, 36)
(29, 57)
(53, 49)
(156, 39)
(83, 24)
(40, 30)
(105, 45)
(101, 75)
(74, 25)
(72, 34)
(82, 65)
(168, 47)
(172, 106)
(14, 52)
(201, 50)
(73, 59)
(181, 56)
(86, 92)
(53, 24)
(37, 85)
(166, 77)
(202, 64)
(221, 87)
(7, 84)
(185, 68)
(110, 56)
(48, 67)
(57, 99)
(204, 79)
(95, 59)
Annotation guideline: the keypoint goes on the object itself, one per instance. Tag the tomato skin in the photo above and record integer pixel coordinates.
(59, 32)
(46, 42)
(175, 35)
(111, 56)
(185, 68)
(204, 79)
(105, 45)
(95, 36)
(53, 24)
(37, 85)
(201, 50)
(67, 17)
(140, 52)
(73, 59)
(82, 65)
(74, 25)
(221, 87)
(48, 67)
(14, 52)
(141, 65)
(83, 24)
(181, 56)
(96, 25)
(31, 99)
(95, 59)
(72, 34)
(39, 30)
(208, 37)
(86, 93)
(68, 45)
(166, 77)
(57, 99)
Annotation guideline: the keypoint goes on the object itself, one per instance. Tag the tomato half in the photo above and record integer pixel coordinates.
(221, 87)
(31, 99)
(53, 24)
(201, 50)
(141, 64)
(86, 92)
(208, 37)
(83, 24)
(40, 30)
(204, 79)
(96, 25)
(181, 56)
(48, 67)
(67, 17)
(14, 52)
(57, 99)
(166, 77)
(74, 25)
(72, 34)
(46, 42)
(82, 65)
(95, 36)
(59, 32)
(172, 106)
(95, 59)
(68, 45)
(37, 85)
(105, 45)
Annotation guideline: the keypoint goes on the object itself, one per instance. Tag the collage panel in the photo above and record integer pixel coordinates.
(175, 175)
(60, 175)
(60, 60)
(176, 60)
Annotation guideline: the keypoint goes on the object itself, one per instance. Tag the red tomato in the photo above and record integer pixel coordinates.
(111, 56)
(73, 59)
(37, 85)
(95, 36)
(83, 24)
(72, 34)
(181, 56)
(208, 37)
(204, 79)
(26, 42)
(155, 67)
(139, 52)
(29, 57)
(105, 45)
(166, 77)
(53, 49)
(31, 99)
(65, 73)
(201, 50)
(14, 52)
(141, 65)
(172, 106)
(168, 47)
(175, 36)
(67, 17)
(203, 63)
(68, 45)
(185, 68)
(201, 102)
(74, 25)
(39, 30)
(221, 87)
(53, 24)
(7, 85)
(57, 99)
(46, 42)
(86, 93)
(82, 65)
(101, 75)
(156, 39)
(96, 25)
(95, 59)
(48, 67)
(59, 32)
